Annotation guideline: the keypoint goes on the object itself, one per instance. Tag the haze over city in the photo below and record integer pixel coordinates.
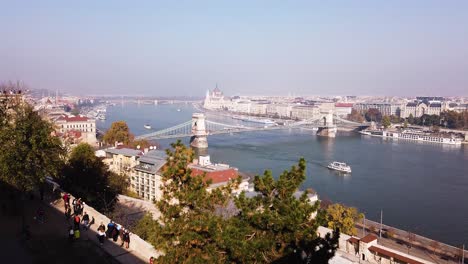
(264, 47)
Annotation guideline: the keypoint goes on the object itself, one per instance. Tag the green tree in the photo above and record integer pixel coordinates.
(405, 124)
(28, 151)
(410, 119)
(386, 122)
(342, 217)
(118, 132)
(86, 176)
(189, 226)
(278, 226)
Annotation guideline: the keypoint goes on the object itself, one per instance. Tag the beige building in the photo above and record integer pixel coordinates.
(145, 177)
(122, 160)
(418, 109)
(279, 110)
(77, 125)
(215, 100)
(304, 112)
(258, 109)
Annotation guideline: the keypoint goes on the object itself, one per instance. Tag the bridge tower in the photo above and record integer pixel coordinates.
(199, 134)
(327, 129)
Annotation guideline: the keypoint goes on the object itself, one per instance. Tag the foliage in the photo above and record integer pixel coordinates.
(356, 116)
(454, 120)
(275, 226)
(344, 218)
(142, 143)
(28, 151)
(86, 176)
(390, 233)
(118, 132)
(189, 226)
(277, 222)
(386, 122)
(373, 114)
(405, 124)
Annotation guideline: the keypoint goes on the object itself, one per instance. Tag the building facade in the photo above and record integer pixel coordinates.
(387, 109)
(66, 124)
(121, 160)
(145, 179)
(215, 100)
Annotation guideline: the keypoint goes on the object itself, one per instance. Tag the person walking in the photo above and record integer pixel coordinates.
(101, 233)
(76, 222)
(126, 237)
(85, 221)
(66, 200)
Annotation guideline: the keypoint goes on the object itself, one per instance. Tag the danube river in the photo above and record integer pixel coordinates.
(420, 187)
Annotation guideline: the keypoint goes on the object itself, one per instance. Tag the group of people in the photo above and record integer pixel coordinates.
(78, 205)
(114, 231)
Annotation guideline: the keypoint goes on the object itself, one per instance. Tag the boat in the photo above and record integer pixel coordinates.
(178, 109)
(147, 126)
(339, 166)
(416, 135)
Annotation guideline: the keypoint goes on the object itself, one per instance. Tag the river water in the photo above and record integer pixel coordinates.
(421, 187)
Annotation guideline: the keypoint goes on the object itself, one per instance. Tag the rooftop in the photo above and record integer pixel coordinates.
(369, 238)
(72, 118)
(124, 151)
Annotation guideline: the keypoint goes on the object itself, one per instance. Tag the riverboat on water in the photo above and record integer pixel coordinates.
(339, 166)
(415, 135)
(147, 126)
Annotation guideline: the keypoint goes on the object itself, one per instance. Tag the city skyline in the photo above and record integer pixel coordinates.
(183, 49)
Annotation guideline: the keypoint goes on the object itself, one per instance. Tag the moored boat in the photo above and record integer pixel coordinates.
(147, 126)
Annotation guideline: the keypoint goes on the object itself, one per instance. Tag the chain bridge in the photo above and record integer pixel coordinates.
(199, 128)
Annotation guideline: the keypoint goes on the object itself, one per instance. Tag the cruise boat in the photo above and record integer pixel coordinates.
(339, 166)
(147, 126)
(416, 135)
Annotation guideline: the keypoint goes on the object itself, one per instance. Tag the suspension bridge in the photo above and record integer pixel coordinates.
(199, 128)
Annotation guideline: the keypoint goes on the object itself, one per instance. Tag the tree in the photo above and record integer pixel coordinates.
(386, 122)
(373, 114)
(342, 217)
(276, 223)
(118, 132)
(86, 176)
(189, 228)
(410, 119)
(405, 124)
(356, 116)
(28, 151)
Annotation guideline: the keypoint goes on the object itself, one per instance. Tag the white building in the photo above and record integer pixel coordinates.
(215, 100)
(304, 112)
(70, 124)
(121, 160)
(279, 110)
(418, 109)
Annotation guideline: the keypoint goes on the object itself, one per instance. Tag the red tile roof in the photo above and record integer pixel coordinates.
(353, 240)
(369, 238)
(343, 105)
(78, 118)
(218, 175)
(393, 255)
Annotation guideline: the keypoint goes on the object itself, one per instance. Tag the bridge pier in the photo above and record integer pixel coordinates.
(199, 138)
(327, 132)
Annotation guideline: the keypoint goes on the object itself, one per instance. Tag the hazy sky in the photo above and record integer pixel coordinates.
(248, 47)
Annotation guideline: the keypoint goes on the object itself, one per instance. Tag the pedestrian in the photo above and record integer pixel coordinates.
(76, 222)
(151, 260)
(71, 234)
(77, 234)
(122, 237)
(67, 212)
(66, 201)
(101, 235)
(40, 215)
(126, 237)
(110, 228)
(85, 221)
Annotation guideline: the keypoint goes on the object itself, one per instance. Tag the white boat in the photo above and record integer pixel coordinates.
(147, 126)
(178, 110)
(339, 166)
(414, 135)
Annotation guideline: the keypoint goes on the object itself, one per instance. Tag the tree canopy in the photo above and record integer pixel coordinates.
(275, 226)
(386, 123)
(373, 114)
(86, 176)
(118, 132)
(342, 217)
(28, 151)
(356, 116)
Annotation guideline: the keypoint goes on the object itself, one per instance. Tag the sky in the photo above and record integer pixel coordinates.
(183, 48)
